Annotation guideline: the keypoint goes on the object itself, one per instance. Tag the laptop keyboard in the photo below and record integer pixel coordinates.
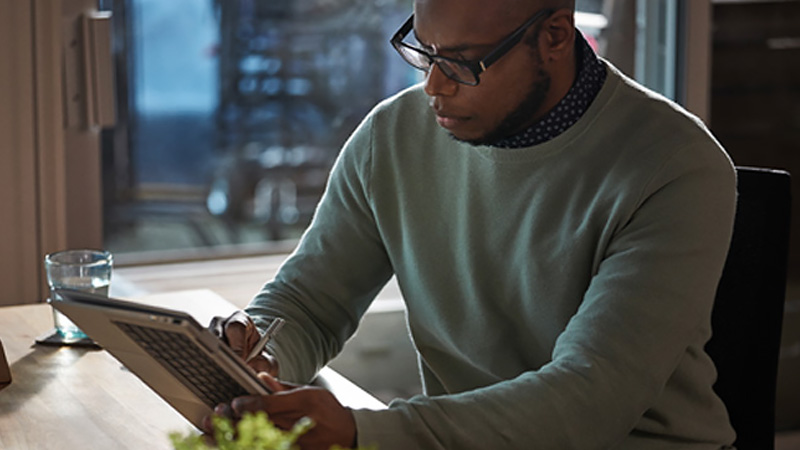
(181, 357)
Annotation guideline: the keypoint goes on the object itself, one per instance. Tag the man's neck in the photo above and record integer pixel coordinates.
(588, 75)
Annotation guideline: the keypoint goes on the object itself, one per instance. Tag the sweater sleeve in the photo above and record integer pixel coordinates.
(646, 309)
(339, 266)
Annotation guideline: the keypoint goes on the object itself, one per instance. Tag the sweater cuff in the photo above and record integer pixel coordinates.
(383, 428)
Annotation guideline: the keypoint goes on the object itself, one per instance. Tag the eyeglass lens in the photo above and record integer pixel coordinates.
(423, 61)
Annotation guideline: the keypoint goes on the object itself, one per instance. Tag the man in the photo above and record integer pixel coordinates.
(557, 232)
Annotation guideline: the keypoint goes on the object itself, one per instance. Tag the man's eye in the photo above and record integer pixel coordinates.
(416, 43)
(460, 57)
(427, 48)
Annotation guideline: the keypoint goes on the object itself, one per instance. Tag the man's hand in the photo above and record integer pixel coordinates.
(241, 334)
(334, 424)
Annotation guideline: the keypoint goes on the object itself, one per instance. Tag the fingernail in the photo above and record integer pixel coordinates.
(223, 409)
(241, 404)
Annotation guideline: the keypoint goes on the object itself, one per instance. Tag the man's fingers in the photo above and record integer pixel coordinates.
(217, 326)
(274, 384)
(334, 424)
(241, 335)
(264, 363)
(286, 421)
(250, 403)
(236, 338)
(224, 410)
(266, 403)
(238, 331)
(239, 318)
(284, 400)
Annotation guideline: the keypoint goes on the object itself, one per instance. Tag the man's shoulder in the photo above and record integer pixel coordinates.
(642, 106)
(649, 133)
(404, 119)
(638, 119)
(412, 98)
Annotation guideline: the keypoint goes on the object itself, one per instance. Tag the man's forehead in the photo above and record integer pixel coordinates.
(472, 22)
(489, 9)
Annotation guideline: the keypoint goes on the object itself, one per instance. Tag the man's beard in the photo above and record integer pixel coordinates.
(519, 117)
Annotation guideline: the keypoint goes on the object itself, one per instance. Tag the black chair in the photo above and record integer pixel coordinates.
(748, 310)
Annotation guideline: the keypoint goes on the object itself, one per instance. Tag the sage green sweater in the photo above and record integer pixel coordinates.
(559, 296)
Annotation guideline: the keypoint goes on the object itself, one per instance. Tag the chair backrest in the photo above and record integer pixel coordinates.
(748, 310)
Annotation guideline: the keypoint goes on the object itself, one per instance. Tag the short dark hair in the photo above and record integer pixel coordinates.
(558, 4)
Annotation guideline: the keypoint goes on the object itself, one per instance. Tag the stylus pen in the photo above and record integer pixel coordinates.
(272, 330)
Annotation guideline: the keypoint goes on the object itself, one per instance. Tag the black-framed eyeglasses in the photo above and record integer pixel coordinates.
(463, 71)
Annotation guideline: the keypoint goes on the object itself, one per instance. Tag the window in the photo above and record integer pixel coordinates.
(232, 111)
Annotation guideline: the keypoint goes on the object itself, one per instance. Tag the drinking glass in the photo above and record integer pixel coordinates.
(81, 270)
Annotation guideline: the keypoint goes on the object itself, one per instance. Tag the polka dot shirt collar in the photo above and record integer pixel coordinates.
(590, 79)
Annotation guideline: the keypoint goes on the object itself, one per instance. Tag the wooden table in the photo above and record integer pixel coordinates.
(77, 398)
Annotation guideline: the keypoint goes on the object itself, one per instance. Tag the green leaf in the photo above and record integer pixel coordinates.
(253, 432)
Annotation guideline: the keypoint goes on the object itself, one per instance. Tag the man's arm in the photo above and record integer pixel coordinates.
(338, 268)
(322, 291)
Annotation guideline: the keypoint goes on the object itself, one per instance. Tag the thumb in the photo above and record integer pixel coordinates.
(274, 385)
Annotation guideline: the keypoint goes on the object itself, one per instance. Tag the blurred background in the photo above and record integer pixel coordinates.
(231, 112)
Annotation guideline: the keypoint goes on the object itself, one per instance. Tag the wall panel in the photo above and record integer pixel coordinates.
(20, 259)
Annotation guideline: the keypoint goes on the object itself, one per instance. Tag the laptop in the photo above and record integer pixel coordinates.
(181, 360)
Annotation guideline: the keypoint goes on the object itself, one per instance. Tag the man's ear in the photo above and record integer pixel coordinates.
(558, 36)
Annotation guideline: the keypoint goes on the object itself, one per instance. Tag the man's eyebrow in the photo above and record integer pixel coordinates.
(451, 49)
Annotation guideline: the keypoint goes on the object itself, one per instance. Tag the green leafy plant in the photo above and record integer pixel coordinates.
(253, 432)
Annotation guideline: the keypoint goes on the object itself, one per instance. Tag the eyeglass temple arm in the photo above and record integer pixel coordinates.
(404, 30)
(512, 40)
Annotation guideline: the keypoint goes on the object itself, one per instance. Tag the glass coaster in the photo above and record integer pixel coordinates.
(53, 338)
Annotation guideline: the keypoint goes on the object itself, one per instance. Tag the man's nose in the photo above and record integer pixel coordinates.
(439, 84)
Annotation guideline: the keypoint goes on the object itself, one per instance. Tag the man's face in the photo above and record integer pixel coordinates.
(511, 92)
